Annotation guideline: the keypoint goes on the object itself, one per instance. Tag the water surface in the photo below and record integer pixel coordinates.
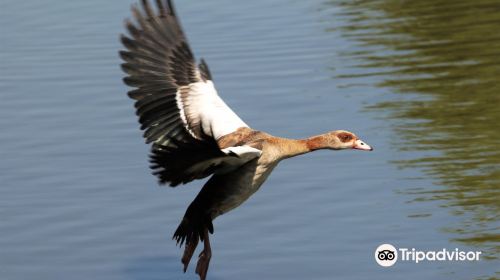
(416, 80)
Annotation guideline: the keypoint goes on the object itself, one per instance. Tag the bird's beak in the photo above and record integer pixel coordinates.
(360, 145)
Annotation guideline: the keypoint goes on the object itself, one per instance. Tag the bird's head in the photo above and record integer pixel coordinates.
(342, 139)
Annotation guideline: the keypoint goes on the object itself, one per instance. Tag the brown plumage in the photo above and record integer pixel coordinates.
(194, 134)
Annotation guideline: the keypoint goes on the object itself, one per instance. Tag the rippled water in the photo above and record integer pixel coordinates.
(444, 56)
(416, 79)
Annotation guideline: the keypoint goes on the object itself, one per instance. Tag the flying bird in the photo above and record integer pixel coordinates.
(193, 133)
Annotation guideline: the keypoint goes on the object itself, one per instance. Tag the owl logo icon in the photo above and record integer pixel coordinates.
(386, 255)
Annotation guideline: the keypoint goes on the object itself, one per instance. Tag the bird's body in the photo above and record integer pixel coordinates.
(236, 186)
(194, 134)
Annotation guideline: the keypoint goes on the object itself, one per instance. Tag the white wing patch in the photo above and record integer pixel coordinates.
(203, 111)
(245, 153)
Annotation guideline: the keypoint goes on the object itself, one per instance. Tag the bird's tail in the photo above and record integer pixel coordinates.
(193, 225)
(193, 228)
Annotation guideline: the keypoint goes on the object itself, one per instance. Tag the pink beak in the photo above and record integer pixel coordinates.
(360, 145)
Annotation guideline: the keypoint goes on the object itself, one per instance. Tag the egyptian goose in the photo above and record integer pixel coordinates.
(193, 133)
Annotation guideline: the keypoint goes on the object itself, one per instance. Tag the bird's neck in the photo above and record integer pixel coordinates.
(294, 147)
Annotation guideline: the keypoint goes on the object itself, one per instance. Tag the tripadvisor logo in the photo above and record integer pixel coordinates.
(387, 255)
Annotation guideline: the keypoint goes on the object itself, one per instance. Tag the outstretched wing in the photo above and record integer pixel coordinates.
(176, 101)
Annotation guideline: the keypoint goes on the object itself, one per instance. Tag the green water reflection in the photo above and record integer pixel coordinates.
(443, 58)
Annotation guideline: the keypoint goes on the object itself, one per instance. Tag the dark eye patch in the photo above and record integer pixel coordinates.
(345, 137)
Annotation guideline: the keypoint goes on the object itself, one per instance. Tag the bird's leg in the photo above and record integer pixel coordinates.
(188, 252)
(204, 258)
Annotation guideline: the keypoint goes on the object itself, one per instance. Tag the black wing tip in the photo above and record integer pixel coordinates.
(132, 81)
(171, 8)
(124, 54)
(129, 24)
(123, 37)
(161, 8)
(147, 8)
(127, 42)
(165, 7)
(204, 70)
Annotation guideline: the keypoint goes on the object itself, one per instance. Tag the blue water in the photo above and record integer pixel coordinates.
(77, 200)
